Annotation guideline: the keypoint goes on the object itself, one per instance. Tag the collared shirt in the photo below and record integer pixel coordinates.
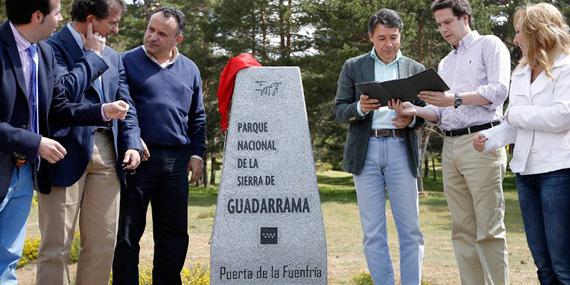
(23, 45)
(382, 118)
(166, 64)
(481, 64)
(76, 35)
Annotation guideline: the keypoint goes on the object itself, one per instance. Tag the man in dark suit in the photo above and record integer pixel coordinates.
(86, 184)
(382, 152)
(29, 90)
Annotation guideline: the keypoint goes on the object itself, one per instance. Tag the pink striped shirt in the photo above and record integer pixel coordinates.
(481, 64)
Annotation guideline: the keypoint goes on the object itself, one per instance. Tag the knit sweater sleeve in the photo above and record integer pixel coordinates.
(197, 118)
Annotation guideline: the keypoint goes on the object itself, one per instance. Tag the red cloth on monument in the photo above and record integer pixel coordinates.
(227, 83)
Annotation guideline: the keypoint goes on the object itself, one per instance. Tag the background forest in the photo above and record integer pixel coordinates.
(316, 35)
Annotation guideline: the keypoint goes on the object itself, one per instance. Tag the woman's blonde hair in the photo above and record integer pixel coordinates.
(546, 33)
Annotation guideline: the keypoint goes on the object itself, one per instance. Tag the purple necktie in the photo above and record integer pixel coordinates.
(33, 91)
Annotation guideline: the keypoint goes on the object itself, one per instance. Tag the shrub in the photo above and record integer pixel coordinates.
(145, 275)
(75, 247)
(362, 278)
(30, 252)
(195, 275)
(323, 166)
(32, 246)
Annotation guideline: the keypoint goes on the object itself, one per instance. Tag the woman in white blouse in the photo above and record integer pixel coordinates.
(538, 122)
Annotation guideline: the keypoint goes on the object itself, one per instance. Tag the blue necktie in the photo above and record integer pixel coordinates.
(99, 87)
(33, 91)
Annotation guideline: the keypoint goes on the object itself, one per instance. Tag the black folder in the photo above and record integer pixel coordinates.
(405, 89)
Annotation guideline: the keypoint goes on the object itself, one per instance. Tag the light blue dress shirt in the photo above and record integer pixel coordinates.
(382, 118)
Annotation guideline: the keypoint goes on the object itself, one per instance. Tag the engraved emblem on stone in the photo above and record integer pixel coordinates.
(268, 88)
(268, 236)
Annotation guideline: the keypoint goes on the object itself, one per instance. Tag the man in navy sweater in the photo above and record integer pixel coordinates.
(166, 88)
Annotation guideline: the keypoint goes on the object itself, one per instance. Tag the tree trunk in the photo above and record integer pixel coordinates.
(214, 165)
(426, 168)
(426, 133)
(205, 180)
(433, 168)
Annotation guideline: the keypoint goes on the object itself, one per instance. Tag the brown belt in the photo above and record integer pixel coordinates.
(19, 159)
(383, 133)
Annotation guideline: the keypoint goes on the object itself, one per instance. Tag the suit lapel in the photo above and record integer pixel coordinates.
(368, 75)
(76, 53)
(105, 79)
(44, 94)
(10, 43)
(404, 68)
(368, 69)
(69, 41)
(543, 80)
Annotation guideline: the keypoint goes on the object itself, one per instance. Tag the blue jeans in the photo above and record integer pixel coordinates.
(545, 208)
(386, 169)
(14, 212)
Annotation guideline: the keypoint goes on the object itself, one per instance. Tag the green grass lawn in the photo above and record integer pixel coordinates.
(344, 236)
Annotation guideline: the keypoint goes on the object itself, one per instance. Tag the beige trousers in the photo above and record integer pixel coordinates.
(472, 183)
(94, 199)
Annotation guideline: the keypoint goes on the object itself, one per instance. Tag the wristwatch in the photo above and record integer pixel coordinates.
(458, 101)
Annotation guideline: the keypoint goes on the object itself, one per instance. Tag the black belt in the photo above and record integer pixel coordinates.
(383, 133)
(470, 130)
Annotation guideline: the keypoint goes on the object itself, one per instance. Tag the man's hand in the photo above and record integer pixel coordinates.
(51, 150)
(368, 104)
(132, 160)
(195, 166)
(440, 99)
(405, 109)
(479, 142)
(93, 41)
(146, 153)
(116, 110)
(401, 121)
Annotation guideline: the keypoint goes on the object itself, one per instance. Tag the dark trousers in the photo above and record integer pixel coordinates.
(545, 208)
(162, 181)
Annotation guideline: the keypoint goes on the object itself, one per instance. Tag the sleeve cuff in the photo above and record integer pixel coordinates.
(412, 123)
(105, 119)
(359, 111)
(197, 157)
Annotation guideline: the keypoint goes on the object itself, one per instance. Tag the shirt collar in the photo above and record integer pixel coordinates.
(76, 35)
(467, 41)
(21, 42)
(375, 57)
(166, 64)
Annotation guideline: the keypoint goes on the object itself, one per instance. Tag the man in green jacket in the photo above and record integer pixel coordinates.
(381, 152)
